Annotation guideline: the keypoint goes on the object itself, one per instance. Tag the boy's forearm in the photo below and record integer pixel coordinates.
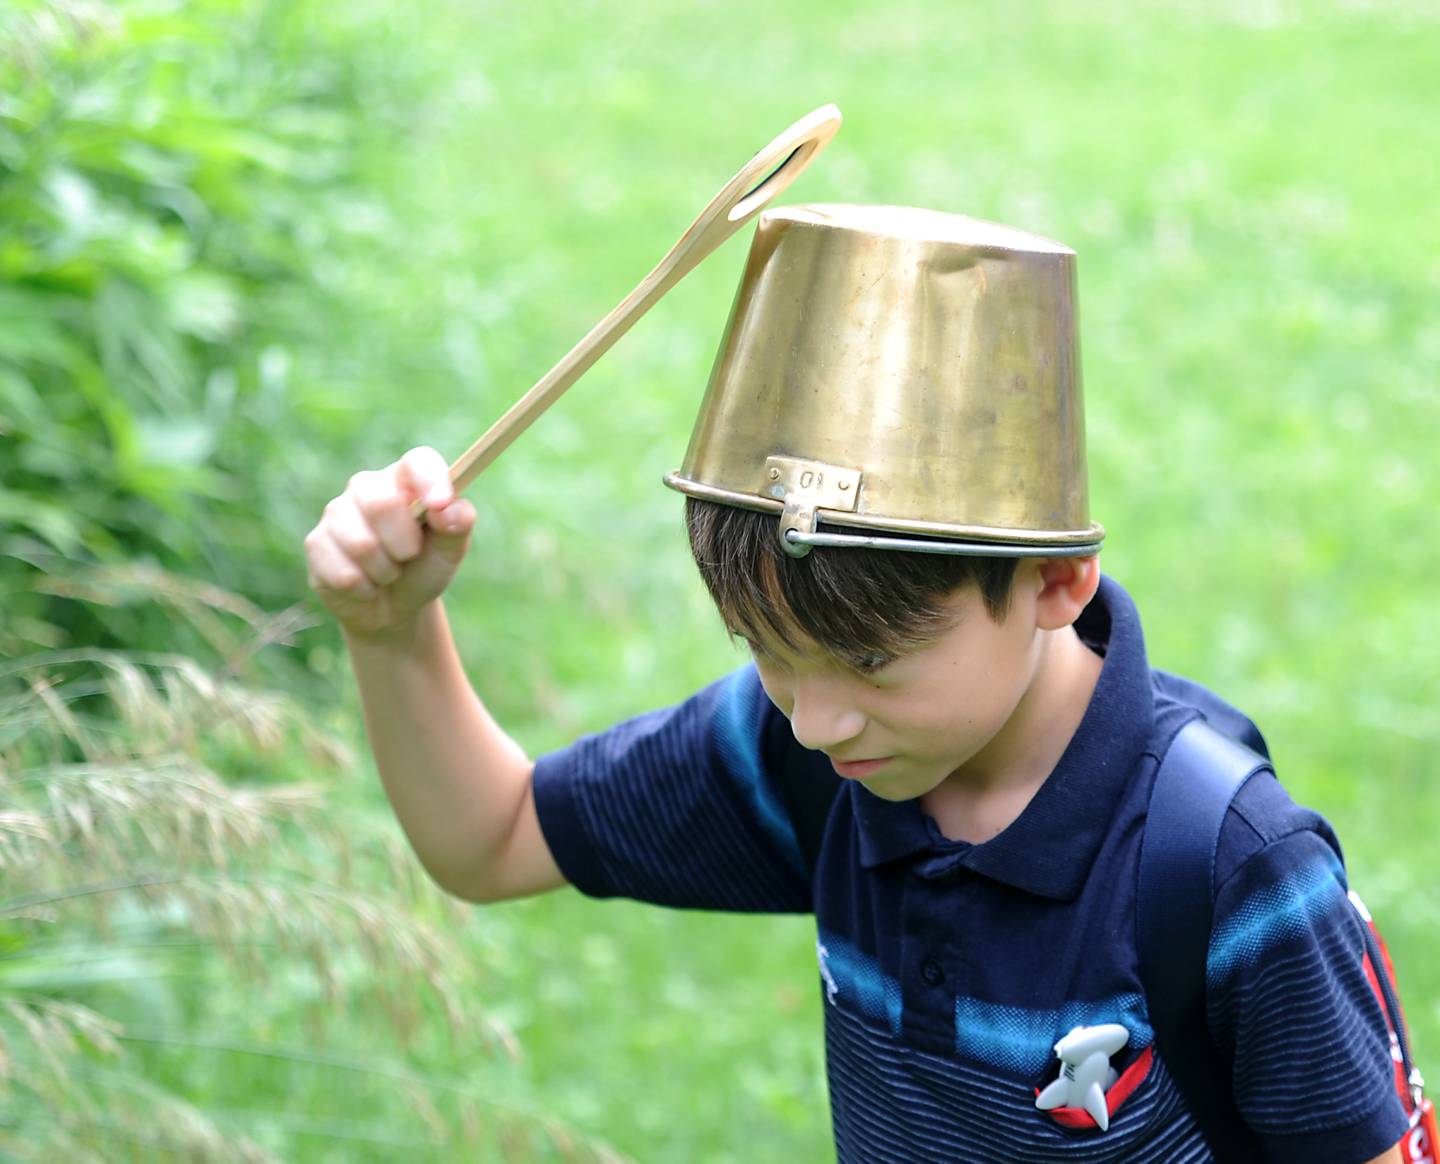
(454, 778)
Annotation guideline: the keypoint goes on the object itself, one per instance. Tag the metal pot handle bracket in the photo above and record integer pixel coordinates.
(757, 182)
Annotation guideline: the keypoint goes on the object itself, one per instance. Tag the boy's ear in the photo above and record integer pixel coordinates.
(1066, 587)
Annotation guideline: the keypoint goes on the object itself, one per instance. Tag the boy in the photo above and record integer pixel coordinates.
(887, 500)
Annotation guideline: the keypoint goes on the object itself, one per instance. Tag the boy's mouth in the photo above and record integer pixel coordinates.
(859, 769)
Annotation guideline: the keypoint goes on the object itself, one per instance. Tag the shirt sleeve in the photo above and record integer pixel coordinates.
(679, 807)
(1287, 998)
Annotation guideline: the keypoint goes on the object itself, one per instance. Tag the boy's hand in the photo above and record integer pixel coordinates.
(371, 562)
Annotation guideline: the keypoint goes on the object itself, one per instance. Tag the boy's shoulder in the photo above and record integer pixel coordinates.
(1263, 817)
(1178, 700)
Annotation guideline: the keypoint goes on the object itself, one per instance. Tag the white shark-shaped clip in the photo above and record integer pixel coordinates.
(1085, 1071)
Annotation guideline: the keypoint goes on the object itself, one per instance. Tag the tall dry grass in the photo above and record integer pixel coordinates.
(132, 860)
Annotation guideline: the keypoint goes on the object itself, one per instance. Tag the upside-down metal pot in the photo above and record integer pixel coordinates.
(908, 375)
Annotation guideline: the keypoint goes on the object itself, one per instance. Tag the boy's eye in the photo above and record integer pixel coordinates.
(872, 663)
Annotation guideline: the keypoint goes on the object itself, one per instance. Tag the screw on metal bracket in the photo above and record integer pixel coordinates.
(805, 486)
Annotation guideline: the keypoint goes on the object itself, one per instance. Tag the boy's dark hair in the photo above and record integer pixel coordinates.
(862, 606)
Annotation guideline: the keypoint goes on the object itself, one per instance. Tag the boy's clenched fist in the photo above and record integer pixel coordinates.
(370, 561)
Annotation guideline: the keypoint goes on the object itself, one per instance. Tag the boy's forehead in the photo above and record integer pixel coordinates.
(899, 372)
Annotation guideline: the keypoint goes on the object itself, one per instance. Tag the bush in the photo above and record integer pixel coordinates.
(184, 234)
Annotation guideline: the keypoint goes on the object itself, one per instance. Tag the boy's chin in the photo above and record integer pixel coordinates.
(897, 786)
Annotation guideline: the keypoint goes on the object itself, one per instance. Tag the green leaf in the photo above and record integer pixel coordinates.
(180, 441)
(45, 519)
(203, 304)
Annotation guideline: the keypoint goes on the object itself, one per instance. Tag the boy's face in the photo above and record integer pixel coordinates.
(906, 726)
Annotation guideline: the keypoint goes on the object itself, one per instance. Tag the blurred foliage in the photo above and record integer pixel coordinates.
(199, 958)
(181, 187)
(172, 942)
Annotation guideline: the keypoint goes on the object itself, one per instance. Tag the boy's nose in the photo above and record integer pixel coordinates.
(822, 722)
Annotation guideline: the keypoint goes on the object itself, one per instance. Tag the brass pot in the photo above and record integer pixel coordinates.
(907, 374)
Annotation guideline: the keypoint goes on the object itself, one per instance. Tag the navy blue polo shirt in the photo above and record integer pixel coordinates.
(949, 970)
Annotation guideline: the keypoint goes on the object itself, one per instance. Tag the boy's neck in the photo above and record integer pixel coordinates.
(980, 800)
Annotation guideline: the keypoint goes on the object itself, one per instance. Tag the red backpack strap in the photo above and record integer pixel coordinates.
(1422, 1141)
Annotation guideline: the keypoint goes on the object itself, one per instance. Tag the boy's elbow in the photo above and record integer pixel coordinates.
(466, 889)
(488, 892)
(520, 867)
(473, 885)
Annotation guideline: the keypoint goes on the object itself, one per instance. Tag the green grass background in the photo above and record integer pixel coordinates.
(1251, 190)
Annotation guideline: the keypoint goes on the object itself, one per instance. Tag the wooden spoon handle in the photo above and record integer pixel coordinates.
(745, 195)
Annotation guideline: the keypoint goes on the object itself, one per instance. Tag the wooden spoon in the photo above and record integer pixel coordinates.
(745, 195)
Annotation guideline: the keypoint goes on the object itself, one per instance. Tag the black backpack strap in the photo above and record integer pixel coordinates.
(1198, 778)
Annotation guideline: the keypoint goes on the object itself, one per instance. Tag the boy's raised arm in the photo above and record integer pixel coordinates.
(460, 786)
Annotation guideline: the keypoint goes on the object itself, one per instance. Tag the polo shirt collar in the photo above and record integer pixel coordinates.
(1049, 848)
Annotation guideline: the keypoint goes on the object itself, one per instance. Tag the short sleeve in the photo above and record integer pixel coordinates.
(1287, 998)
(678, 807)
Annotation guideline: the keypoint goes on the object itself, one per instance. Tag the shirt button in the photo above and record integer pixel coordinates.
(931, 972)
